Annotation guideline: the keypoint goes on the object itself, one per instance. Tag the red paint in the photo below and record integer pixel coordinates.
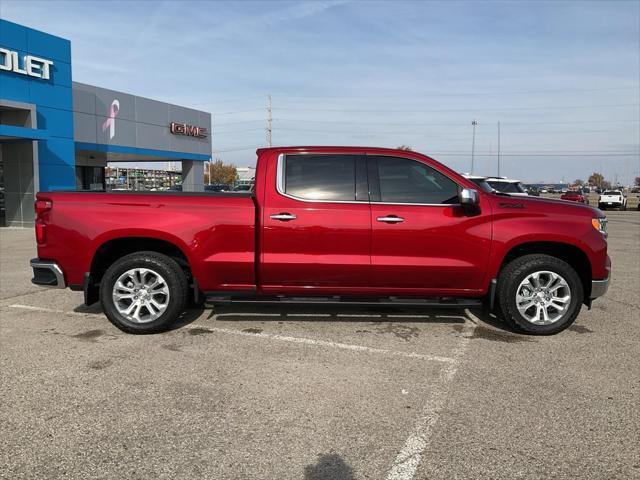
(330, 248)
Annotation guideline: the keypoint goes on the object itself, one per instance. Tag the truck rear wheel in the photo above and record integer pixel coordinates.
(144, 292)
(539, 294)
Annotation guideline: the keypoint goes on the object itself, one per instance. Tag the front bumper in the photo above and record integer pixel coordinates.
(47, 273)
(599, 287)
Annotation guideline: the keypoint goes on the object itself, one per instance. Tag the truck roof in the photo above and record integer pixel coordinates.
(338, 149)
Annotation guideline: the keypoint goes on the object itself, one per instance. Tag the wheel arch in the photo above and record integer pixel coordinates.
(567, 252)
(114, 248)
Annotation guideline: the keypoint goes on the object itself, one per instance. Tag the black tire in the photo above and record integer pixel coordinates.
(516, 271)
(601, 207)
(174, 277)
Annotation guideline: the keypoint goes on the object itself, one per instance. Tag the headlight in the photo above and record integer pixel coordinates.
(600, 224)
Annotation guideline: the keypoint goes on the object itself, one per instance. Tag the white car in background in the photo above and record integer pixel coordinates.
(612, 199)
(480, 181)
(507, 185)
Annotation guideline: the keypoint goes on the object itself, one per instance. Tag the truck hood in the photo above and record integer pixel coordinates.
(550, 205)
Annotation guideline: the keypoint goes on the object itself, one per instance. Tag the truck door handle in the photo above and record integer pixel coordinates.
(283, 217)
(390, 219)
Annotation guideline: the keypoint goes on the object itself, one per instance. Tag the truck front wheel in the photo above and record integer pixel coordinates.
(144, 292)
(539, 294)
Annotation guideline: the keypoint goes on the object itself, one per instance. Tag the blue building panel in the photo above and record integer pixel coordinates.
(13, 36)
(56, 177)
(57, 151)
(61, 74)
(50, 95)
(52, 99)
(57, 122)
(14, 87)
(48, 46)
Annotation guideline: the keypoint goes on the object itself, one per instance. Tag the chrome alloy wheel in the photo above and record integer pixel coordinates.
(140, 295)
(543, 297)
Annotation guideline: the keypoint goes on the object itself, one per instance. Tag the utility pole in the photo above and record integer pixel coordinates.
(498, 148)
(269, 121)
(473, 144)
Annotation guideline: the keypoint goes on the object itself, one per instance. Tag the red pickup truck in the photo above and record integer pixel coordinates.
(326, 225)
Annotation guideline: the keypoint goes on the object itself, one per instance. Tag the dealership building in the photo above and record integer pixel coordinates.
(56, 134)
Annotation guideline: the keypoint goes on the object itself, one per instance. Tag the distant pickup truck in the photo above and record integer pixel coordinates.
(329, 225)
(612, 199)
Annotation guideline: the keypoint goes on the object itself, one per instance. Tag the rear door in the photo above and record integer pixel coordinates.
(423, 241)
(316, 225)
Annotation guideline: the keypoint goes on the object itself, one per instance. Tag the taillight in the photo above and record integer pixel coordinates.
(42, 206)
(41, 233)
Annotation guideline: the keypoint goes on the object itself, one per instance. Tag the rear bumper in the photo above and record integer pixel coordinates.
(47, 273)
(599, 287)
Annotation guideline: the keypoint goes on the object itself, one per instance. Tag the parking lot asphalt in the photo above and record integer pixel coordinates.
(317, 393)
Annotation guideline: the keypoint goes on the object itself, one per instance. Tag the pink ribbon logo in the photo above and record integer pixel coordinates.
(110, 122)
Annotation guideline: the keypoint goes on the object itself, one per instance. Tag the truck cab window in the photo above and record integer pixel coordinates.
(408, 181)
(321, 177)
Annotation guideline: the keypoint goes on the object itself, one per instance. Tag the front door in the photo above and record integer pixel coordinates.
(423, 241)
(316, 225)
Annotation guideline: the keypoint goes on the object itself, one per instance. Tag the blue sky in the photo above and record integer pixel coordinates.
(563, 78)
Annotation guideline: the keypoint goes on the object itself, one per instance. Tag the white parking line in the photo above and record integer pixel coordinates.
(407, 461)
(326, 343)
(272, 336)
(53, 310)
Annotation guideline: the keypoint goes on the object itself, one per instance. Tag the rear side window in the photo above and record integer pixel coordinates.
(408, 181)
(321, 177)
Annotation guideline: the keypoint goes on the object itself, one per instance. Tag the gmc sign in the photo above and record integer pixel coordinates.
(188, 130)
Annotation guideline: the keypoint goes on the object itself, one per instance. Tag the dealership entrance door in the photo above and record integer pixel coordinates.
(16, 184)
(18, 163)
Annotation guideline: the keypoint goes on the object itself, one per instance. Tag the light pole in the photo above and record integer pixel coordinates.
(473, 144)
(498, 148)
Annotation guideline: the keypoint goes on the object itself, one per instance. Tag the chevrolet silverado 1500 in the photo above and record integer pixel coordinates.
(326, 225)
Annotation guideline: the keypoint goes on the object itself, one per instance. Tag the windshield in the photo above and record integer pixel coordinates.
(572, 194)
(482, 183)
(507, 187)
(611, 192)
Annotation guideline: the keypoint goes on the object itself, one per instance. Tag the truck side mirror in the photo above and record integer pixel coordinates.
(469, 197)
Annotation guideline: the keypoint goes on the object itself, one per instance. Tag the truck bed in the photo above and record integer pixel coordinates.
(214, 231)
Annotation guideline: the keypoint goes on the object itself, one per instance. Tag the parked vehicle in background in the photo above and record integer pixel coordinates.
(326, 225)
(507, 185)
(217, 187)
(480, 181)
(533, 191)
(612, 199)
(574, 196)
(243, 188)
